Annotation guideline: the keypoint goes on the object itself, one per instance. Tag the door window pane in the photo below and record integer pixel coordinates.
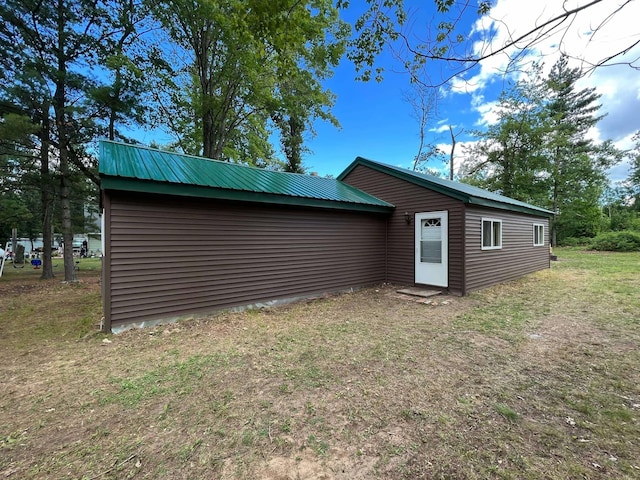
(431, 241)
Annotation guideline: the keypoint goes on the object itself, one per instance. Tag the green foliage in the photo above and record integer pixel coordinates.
(507, 412)
(510, 156)
(14, 213)
(624, 219)
(374, 29)
(617, 242)
(244, 69)
(580, 217)
(620, 207)
(578, 166)
(16, 132)
(576, 242)
(634, 159)
(51, 51)
(17, 141)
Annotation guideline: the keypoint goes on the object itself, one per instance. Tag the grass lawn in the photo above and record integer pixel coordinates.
(538, 378)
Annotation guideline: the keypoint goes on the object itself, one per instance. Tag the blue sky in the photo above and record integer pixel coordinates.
(377, 122)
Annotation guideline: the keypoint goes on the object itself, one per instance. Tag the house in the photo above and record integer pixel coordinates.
(186, 236)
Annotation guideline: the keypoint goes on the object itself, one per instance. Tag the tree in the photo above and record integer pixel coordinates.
(292, 140)
(540, 152)
(634, 161)
(306, 57)
(248, 63)
(125, 58)
(19, 179)
(452, 154)
(618, 204)
(576, 165)
(47, 48)
(27, 143)
(509, 156)
(423, 103)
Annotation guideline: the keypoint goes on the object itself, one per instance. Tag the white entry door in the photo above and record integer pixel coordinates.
(432, 248)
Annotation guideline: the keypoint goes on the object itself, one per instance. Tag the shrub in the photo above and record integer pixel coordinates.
(622, 220)
(575, 242)
(617, 242)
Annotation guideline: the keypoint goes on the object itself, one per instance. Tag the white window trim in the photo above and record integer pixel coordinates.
(492, 220)
(535, 226)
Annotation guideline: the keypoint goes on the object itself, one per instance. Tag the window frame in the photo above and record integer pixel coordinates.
(537, 226)
(492, 222)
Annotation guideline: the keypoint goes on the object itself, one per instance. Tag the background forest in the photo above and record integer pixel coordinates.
(244, 81)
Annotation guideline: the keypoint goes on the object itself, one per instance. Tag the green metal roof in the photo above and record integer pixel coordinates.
(461, 191)
(142, 169)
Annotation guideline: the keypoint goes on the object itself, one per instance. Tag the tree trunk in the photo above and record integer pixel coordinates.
(208, 135)
(59, 107)
(453, 149)
(46, 197)
(507, 175)
(67, 231)
(554, 223)
(112, 120)
(292, 141)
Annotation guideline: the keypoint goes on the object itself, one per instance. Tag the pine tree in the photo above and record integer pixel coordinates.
(576, 166)
(509, 156)
(47, 47)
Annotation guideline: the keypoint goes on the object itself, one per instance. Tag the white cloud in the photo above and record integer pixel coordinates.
(460, 156)
(592, 36)
(441, 127)
(487, 110)
(620, 90)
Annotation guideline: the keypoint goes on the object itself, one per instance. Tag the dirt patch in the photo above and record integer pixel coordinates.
(282, 468)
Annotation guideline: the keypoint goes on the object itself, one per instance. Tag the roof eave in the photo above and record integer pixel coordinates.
(483, 202)
(145, 186)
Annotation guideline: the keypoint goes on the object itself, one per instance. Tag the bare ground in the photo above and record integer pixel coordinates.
(531, 379)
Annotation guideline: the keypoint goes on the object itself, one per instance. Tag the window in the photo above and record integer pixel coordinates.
(491, 234)
(538, 235)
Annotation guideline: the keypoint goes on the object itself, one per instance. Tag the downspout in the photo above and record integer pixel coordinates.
(105, 324)
(386, 249)
(464, 249)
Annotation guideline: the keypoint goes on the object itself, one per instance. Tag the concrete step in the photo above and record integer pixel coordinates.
(419, 292)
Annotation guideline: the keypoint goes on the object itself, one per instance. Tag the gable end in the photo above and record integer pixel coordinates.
(468, 194)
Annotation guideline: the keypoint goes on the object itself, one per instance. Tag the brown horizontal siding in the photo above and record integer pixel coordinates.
(172, 257)
(516, 258)
(411, 198)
